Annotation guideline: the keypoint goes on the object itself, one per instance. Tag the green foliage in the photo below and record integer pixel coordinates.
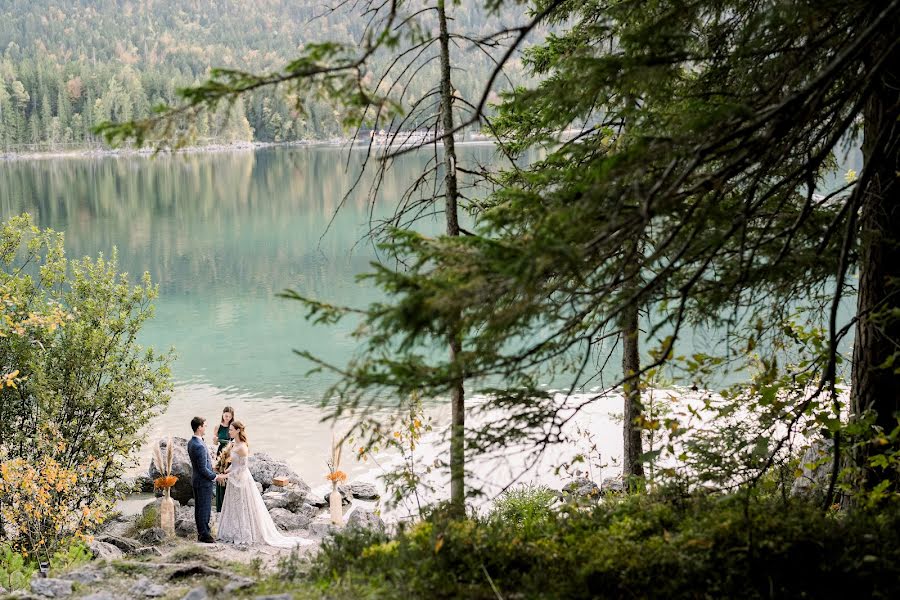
(78, 388)
(664, 546)
(15, 571)
(68, 558)
(147, 519)
(526, 508)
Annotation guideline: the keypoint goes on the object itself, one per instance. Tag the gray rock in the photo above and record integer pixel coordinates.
(322, 528)
(190, 503)
(364, 491)
(104, 550)
(308, 510)
(285, 519)
(198, 593)
(290, 498)
(145, 588)
(612, 485)
(99, 596)
(346, 495)
(238, 584)
(181, 468)
(152, 506)
(581, 489)
(84, 576)
(154, 535)
(259, 486)
(148, 551)
(264, 468)
(274, 597)
(365, 519)
(51, 588)
(317, 502)
(126, 545)
(186, 527)
(815, 467)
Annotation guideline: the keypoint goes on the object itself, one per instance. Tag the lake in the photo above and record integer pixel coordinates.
(222, 234)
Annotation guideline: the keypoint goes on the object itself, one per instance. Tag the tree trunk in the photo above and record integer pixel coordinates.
(457, 395)
(875, 386)
(632, 466)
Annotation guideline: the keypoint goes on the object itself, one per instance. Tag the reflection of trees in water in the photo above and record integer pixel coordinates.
(203, 221)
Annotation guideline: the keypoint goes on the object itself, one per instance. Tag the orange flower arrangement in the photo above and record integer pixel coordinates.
(164, 483)
(336, 477)
(164, 465)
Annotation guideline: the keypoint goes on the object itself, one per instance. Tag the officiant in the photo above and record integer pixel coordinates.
(224, 439)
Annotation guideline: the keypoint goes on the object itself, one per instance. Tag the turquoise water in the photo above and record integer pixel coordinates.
(222, 234)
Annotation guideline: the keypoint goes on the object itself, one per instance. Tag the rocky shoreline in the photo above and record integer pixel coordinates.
(134, 558)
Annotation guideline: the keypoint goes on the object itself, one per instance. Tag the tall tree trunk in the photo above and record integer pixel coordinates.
(876, 387)
(631, 466)
(457, 394)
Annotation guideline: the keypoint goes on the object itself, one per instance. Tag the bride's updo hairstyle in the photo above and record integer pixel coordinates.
(241, 431)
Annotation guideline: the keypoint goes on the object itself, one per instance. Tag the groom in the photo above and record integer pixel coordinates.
(203, 479)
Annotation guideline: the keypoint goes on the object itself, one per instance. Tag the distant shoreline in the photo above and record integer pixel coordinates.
(210, 148)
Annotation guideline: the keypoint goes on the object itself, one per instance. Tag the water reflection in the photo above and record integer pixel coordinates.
(222, 234)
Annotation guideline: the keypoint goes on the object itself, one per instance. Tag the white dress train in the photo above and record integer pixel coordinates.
(244, 518)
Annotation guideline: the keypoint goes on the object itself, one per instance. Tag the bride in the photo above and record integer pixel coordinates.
(244, 518)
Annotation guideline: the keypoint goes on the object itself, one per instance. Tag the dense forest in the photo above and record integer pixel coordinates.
(65, 67)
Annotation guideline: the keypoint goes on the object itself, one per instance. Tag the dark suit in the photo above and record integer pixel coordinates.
(203, 481)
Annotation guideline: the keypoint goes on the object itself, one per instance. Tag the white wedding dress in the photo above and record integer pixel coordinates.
(244, 518)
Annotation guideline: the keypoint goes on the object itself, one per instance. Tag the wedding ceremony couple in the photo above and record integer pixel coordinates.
(243, 517)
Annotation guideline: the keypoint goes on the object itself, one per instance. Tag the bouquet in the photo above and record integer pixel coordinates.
(164, 466)
(335, 475)
(223, 460)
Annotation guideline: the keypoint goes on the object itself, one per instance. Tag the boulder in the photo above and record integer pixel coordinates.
(84, 576)
(264, 469)
(612, 485)
(198, 593)
(363, 491)
(144, 588)
(152, 506)
(346, 495)
(104, 550)
(815, 469)
(126, 545)
(291, 498)
(285, 519)
(364, 519)
(274, 597)
(322, 528)
(51, 588)
(147, 552)
(99, 596)
(308, 510)
(181, 468)
(154, 535)
(318, 502)
(581, 489)
(186, 528)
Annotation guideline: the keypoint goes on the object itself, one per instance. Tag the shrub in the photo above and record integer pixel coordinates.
(638, 546)
(526, 507)
(76, 388)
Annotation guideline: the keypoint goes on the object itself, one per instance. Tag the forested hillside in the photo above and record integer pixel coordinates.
(65, 66)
